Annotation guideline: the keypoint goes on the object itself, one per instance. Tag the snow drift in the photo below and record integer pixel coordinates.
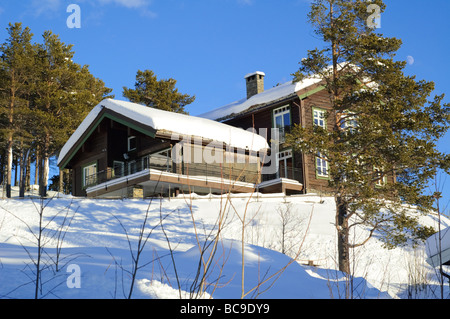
(99, 240)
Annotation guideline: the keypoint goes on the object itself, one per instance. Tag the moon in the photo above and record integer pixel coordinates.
(410, 60)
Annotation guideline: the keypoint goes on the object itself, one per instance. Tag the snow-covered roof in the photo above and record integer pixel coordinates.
(274, 94)
(439, 242)
(184, 125)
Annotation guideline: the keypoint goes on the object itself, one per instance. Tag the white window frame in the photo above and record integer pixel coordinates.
(281, 112)
(319, 118)
(322, 167)
(283, 156)
(86, 174)
(145, 162)
(130, 138)
(132, 167)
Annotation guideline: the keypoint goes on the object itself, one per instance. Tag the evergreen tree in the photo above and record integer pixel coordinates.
(385, 128)
(160, 94)
(15, 66)
(63, 94)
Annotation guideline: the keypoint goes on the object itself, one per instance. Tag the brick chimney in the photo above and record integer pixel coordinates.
(255, 83)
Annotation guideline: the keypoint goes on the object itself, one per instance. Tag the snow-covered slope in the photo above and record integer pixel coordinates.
(98, 237)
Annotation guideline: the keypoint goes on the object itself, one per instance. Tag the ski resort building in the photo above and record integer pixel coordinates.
(123, 149)
(304, 103)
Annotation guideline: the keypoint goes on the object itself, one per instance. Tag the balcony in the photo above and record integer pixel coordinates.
(156, 171)
(287, 172)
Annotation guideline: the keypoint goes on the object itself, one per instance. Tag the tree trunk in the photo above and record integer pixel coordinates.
(15, 164)
(43, 181)
(22, 171)
(28, 174)
(24, 167)
(37, 166)
(343, 235)
(61, 181)
(9, 159)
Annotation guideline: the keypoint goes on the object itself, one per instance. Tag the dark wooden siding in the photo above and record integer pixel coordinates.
(262, 118)
(318, 100)
(109, 143)
(94, 149)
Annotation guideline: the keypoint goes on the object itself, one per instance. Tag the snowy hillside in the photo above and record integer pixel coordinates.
(89, 246)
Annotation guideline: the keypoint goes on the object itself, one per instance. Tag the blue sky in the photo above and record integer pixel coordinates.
(209, 45)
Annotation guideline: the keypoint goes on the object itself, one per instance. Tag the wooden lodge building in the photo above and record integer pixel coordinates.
(304, 103)
(123, 149)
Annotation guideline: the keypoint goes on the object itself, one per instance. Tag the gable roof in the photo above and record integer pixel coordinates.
(150, 120)
(277, 93)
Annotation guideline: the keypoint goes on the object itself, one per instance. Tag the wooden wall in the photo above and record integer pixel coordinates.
(301, 114)
(92, 150)
(317, 100)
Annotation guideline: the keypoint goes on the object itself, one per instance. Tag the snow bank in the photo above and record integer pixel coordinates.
(103, 234)
(158, 290)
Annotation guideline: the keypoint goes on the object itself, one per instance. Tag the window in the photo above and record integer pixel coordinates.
(145, 162)
(161, 160)
(118, 168)
(379, 177)
(285, 164)
(132, 167)
(131, 143)
(282, 121)
(348, 122)
(321, 166)
(89, 175)
(319, 118)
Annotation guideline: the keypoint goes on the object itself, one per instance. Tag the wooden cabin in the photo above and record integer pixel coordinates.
(279, 108)
(123, 149)
(305, 103)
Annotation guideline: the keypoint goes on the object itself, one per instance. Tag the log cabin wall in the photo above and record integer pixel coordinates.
(263, 118)
(319, 100)
(93, 150)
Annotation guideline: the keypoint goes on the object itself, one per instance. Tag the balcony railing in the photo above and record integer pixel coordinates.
(287, 172)
(165, 164)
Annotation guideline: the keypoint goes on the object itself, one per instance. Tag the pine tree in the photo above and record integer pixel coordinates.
(63, 94)
(160, 94)
(15, 66)
(384, 127)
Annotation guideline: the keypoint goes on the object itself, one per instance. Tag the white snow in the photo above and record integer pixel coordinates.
(101, 232)
(254, 73)
(176, 123)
